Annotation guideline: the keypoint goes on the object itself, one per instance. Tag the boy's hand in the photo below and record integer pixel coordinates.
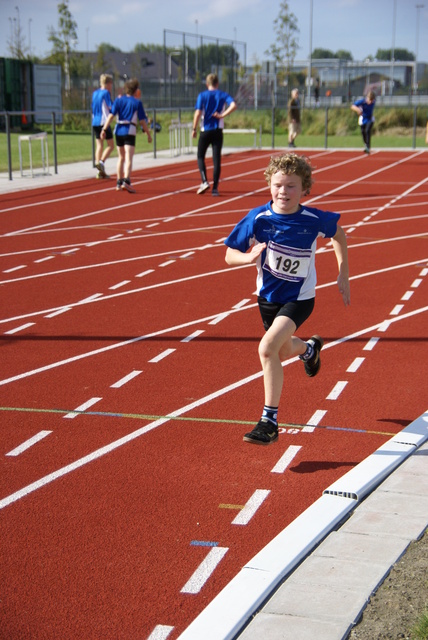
(344, 288)
(255, 251)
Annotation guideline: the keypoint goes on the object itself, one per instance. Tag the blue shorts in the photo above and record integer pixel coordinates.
(297, 310)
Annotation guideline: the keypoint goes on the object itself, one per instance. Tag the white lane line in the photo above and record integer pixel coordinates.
(337, 390)
(243, 302)
(396, 310)
(69, 251)
(83, 407)
(314, 421)
(250, 508)
(160, 632)
(416, 283)
(94, 296)
(355, 365)
(188, 254)
(43, 259)
(193, 335)
(58, 313)
(125, 379)
(119, 284)
(167, 263)
(144, 273)
(162, 355)
(371, 344)
(407, 295)
(384, 326)
(424, 272)
(286, 459)
(204, 571)
(21, 328)
(220, 317)
(21, 266)
(28, 443)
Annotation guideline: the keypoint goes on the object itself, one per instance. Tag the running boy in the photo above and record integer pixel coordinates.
(365, 108)
(282, 235)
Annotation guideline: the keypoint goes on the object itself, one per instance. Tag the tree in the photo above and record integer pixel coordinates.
(17, 44)
(399, 54)
(320, 54)
(286, 45)
(342, 54)
(64, 39)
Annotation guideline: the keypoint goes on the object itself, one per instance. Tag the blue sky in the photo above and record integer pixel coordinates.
(358, 26)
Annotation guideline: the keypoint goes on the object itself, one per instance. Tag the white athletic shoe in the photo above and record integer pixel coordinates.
(204, 187)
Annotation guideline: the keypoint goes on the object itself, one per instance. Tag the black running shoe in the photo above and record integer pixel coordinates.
(312, 366)
(263, 433)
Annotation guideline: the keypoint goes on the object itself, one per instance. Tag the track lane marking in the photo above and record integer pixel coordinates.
(286, 459)
(82, 408)
(204, 571)
(28, 443)
(251, 507)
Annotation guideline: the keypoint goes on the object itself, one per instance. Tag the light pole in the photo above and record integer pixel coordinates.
(173, 53)
(310, 54)
(29, 34)
(391, 85)
(418, 7)
(197, 47)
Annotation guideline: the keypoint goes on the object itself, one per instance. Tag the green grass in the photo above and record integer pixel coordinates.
(420, 630)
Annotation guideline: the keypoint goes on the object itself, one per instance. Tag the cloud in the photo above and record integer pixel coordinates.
(221, 9)
(105, 18)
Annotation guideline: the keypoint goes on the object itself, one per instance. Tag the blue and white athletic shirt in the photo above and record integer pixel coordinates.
(210, 102)
(128, 111)
(367, 115)
(286, 268)
(101, 106)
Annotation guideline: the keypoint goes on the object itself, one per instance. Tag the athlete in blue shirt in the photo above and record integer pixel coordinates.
(129, 111)
(101, 107)
(365, 108)
(212, 106)
(280, 238)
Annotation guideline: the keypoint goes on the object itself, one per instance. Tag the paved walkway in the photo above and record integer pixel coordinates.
(323, 568)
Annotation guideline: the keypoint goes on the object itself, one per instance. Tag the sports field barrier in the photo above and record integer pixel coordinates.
(181, 138)
(183, 143)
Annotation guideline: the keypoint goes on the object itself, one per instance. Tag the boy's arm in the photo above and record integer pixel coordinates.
(234, 257)
(146, 129)
(106, 125)
(341, 250)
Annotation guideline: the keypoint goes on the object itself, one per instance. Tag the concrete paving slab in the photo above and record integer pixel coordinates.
(328, 605)
(360, 547)
(274, 627)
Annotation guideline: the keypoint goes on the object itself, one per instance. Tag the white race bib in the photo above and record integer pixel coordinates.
(287, 263)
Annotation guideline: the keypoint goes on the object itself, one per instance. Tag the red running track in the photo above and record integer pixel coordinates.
(129, 374)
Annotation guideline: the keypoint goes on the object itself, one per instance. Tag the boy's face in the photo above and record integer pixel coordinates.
(286, 191)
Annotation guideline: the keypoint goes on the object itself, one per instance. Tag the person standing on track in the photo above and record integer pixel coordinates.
(280, 238)
(101, 107)
(129, 111)
(365, 108)
(212, 106)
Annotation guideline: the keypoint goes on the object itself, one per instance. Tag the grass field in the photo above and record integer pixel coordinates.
(74, 146)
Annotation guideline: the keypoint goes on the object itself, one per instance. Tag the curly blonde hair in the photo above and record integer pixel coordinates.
(290, 164)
